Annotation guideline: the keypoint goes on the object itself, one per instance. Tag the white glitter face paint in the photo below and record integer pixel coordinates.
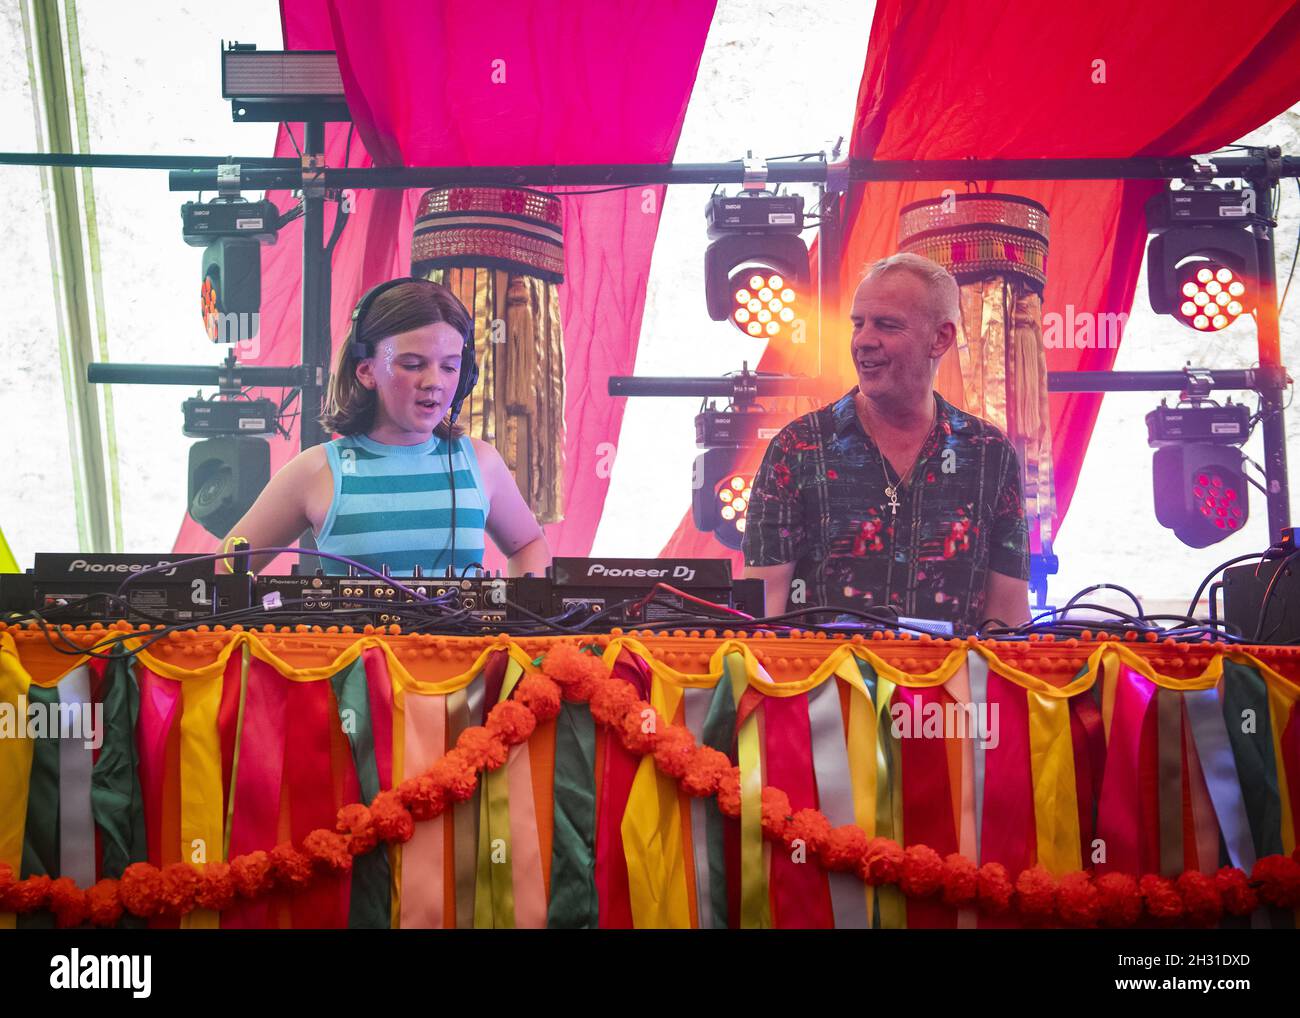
(388, 355)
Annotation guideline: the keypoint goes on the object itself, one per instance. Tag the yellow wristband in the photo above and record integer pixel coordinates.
(225, 548)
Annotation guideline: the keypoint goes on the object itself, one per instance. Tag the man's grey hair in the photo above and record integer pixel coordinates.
(945, 299)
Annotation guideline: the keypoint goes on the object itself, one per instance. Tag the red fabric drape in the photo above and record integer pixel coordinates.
(1010, 79)
(516, 83)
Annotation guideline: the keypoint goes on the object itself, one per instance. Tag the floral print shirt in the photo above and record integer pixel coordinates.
(819, 500)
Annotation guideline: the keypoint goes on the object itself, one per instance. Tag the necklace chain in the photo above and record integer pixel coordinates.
(891, 487)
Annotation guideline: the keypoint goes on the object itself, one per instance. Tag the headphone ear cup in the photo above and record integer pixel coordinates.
(468, 378)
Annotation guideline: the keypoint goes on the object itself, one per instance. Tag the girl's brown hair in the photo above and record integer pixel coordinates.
(349, 405)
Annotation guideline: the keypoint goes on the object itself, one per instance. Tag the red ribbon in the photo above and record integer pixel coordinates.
(927, 798)
(381, 712)
(228, 722)
(801, 897)
(1118, 808)
(1290, 765)
(309, 778)
(1148, 814)
(1088, 735)
(1008, 835)
(255, 820)
(620, 768)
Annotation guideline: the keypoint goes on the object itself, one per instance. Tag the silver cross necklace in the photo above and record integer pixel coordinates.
(891, 487)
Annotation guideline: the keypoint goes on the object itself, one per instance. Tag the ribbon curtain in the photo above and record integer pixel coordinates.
(990, 750)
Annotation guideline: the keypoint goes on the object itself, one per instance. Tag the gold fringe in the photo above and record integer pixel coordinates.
(521, 350)
(518, 404)
(1004, 380)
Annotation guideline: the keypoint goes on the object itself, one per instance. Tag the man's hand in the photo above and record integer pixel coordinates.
(1006, 598)
(776, 593)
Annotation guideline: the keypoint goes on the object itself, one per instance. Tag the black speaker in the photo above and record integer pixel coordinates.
(232, 288)
(226, 476)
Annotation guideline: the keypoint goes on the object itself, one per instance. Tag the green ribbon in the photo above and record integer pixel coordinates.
(718, 732)
(371, 904)
(889, 909)
(116, 800)
(574, 904)
(494, 894)
(1244, 690)
(41, 835)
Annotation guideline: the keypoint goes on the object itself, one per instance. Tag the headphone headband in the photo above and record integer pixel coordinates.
(360, 349)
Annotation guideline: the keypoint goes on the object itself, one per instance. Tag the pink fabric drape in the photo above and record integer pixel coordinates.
(1009, 79)
(514, 83)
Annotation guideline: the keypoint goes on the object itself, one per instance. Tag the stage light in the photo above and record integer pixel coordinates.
(765, 306)
(720, 501)
(756, 267)
(1201, 492)
(278, 85)
(721, 479)
(230, 296)
(1215, 296)
(1199, 478)
(1203, 258)
(226, 475)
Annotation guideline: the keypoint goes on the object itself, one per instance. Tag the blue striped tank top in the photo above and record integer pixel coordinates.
(392, 505)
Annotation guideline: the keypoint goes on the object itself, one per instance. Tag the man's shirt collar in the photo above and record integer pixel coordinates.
(844, 412)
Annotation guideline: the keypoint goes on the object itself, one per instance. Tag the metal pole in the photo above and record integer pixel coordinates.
(1273, 377)
(830, 252)
(779, 172)
(315, 308)
(1057, 381)
(703, 387)
(101, 373)
(97, 161)
(1151, 381)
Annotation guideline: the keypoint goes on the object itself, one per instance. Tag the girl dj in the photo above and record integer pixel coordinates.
(404, 485)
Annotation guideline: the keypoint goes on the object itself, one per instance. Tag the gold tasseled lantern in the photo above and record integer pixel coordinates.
(996, 247)
(501, 251)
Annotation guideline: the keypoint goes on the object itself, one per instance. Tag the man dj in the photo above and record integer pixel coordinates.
(890, 496)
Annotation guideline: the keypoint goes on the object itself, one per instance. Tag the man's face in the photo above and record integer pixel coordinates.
(895, 337)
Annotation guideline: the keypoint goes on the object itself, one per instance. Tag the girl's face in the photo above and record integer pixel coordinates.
(414, 375)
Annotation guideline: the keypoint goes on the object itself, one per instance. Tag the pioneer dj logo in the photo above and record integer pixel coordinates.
(80, 565)
(680, 572)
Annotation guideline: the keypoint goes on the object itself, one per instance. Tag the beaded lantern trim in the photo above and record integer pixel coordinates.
(509, 228)
(979, 235)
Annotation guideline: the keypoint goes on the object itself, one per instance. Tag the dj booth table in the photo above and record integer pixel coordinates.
(881, 782)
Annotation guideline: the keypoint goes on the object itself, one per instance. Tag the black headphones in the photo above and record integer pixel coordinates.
(468, 375)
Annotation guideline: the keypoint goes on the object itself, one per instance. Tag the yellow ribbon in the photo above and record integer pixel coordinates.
(755, 907)
(1056, 801)
(652, 836)
(494, 893)
(889, 803)
(15, 762)
(234, 763)
(201, 793)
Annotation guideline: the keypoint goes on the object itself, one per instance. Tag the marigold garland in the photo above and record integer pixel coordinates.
(1036, 896)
